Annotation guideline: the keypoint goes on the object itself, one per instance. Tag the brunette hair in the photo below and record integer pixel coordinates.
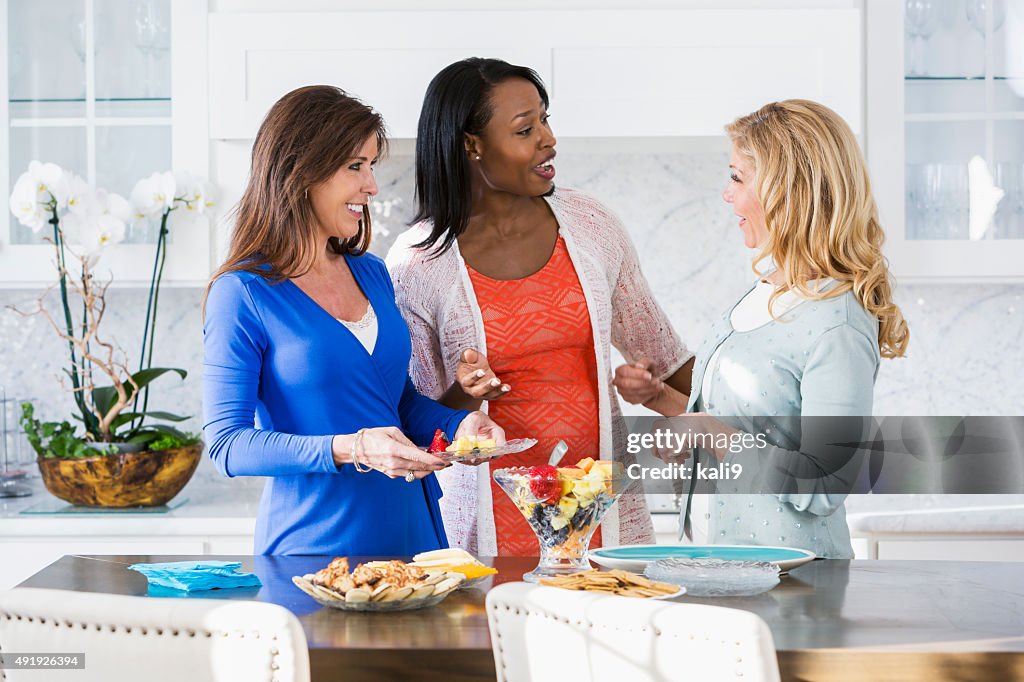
(305, 138)
(457, 102)
(822, 221)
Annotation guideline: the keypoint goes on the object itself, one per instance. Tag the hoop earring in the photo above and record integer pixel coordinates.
(305, 194)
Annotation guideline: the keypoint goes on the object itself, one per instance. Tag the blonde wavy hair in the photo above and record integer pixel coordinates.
(821, 218)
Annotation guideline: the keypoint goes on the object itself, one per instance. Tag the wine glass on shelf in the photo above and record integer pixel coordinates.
(915, 206)
(956, 200)
(152, 38)
(977, 11)
(931, 201)
(921, 19)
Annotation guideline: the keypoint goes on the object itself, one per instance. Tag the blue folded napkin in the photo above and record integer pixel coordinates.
(192, 576)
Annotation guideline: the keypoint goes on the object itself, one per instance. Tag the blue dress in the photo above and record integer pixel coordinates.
(281, 378)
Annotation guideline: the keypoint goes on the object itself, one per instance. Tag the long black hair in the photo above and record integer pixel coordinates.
(457, 102)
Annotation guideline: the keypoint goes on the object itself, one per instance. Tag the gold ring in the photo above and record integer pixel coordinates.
(410, 477)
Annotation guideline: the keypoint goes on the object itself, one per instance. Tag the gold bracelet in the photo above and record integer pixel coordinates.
(355, 460)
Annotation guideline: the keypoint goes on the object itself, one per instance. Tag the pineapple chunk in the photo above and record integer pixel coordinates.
(466, 444)
(604, 467)
(567, 507)
(462, 444)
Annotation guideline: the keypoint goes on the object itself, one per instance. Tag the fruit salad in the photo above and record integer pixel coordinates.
(563, 505)
(463, 445)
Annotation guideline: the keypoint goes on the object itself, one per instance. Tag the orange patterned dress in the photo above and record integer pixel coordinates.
(540, 342)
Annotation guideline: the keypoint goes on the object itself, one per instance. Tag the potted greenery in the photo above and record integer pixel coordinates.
(121, 454)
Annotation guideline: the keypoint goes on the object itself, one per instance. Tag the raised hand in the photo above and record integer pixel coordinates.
(476, 379)
(636, 382)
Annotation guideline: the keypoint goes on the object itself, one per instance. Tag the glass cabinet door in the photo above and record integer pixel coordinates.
(89, 88)
(964, 120)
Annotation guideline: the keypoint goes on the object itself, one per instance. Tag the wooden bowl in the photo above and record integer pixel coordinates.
(134, 479)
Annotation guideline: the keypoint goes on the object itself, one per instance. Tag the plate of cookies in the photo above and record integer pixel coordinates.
(622, 583)
(377, 586)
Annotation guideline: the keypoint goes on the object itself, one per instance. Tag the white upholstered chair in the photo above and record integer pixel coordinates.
(142, 638)
(547, 633)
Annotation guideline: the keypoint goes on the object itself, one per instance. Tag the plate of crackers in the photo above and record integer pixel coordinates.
(622, 583)
(377, 586)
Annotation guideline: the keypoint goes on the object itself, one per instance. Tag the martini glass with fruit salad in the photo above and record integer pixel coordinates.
(563, 506)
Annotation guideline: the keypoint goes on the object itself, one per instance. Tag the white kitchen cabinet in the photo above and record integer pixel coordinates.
(112, 91)
(24, 557)
(945, 85)
(611, 73)
(948, 548)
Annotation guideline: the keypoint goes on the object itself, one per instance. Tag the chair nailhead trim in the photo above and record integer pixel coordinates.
(144, 631)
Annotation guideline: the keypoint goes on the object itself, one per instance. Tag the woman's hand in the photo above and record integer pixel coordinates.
(637, 384)
(476, 379)
(387, 450)
(480, 425)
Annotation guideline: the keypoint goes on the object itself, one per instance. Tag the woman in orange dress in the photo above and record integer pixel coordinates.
(514, 293)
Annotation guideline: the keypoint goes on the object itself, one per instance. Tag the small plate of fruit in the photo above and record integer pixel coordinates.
(475, 449)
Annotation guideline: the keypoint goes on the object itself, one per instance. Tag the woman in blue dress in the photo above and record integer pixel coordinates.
(795, 359)
(306, 356)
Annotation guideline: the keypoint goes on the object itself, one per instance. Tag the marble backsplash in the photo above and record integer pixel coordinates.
(965, 352)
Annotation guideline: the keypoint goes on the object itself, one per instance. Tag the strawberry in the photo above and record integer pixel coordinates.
(545, 484)
(439, 443)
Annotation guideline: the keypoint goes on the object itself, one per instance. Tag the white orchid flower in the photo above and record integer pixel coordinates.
(101, 225)
(153, 195)
(53, 179)
(80, 196)
(193, 193)
(114, 205)
(27, 204)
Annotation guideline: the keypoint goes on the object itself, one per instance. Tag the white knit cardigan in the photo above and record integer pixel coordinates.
(437, 299)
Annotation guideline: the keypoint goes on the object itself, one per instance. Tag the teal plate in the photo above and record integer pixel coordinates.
(636, 557)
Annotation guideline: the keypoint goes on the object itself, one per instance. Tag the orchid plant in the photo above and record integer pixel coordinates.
(84, 222)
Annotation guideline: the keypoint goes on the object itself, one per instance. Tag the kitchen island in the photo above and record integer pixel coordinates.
(831, 620)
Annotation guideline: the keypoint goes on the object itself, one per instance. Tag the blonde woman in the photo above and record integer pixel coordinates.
(806, 339)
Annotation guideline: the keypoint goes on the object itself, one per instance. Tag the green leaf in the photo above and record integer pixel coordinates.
(126, 417)
(104, 397)
(162, 437)
(144, 377)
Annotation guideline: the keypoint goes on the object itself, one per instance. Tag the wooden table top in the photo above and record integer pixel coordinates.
(831, 620)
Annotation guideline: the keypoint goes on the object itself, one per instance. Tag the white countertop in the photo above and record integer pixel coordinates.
(213, 508)
(218, 506)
